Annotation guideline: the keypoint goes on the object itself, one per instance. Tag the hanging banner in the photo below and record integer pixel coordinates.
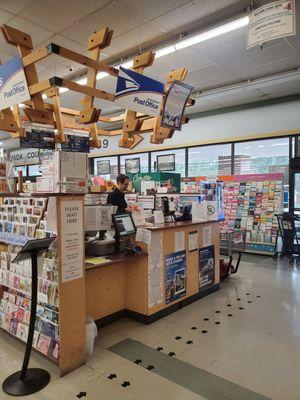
(174, 105)
(175, 276)
(138, 93)
(272, 21)
(13, 84)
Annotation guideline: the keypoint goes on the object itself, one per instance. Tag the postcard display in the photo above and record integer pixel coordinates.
(21, 219)
(250, 204)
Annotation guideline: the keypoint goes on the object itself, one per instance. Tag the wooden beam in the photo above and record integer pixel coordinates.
(35, 56)
(99, 94)
(24, 43)
(39, 116)
(15, 37)
(40, 87)
(52, 48)
(95, 141)
(53, 93)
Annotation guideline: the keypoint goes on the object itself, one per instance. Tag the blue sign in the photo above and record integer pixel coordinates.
(13, 84)
(138, 92)
(76, 144)
(175, 276)
(39, 139)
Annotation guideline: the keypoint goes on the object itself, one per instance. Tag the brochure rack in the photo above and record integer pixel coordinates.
(60, 326)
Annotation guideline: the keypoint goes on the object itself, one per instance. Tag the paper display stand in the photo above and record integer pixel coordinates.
(29, 381)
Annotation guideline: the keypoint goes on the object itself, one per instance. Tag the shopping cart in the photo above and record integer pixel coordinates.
(289, 232)
(233, 242)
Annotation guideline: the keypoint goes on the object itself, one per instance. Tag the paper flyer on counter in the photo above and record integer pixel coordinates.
(155, 270)
(207, 236)
(175, 276)
(193, 241)
(71, 240)
(179, 241)
(206, 267)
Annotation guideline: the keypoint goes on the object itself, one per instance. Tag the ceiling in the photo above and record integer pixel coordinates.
(140, 24)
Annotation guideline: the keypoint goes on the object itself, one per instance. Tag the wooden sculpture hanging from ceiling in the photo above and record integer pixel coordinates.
(39, 111)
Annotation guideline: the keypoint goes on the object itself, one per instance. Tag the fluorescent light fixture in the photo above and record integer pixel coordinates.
(165, 51)
(101, 75)
(1, 143)
(261, 145)
(201, 37)
(127, 64)
(212, 33)
(82, 81)
(63, 89)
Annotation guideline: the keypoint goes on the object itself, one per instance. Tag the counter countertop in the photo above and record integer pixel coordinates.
(178, 224)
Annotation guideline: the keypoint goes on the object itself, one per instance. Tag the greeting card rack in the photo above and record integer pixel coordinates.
(60, 326)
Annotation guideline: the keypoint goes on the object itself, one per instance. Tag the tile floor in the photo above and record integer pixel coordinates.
(257, 347)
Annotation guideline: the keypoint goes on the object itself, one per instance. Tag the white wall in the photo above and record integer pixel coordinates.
(271, 120)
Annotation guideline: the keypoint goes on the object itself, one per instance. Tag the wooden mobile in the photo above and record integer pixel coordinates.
(39, 111)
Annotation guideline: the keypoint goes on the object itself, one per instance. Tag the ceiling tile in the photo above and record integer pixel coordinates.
(185, 58)
(112, 15)
(57, 15)
(259, 58)
(129, 43)
(210, 77)
(152, 9)
(37, 33)
(15, 6)
(198, 14)
(5, 17)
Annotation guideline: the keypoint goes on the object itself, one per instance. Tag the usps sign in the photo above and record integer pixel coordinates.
(138, 93)
(13, 85)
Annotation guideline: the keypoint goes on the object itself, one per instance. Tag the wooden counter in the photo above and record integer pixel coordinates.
(122, 287)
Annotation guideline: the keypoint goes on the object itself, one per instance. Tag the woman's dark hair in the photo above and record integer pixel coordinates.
(121, 178)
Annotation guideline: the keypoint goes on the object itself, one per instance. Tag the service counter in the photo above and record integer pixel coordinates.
(159, 281)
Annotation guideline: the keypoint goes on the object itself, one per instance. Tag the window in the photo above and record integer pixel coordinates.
(107, 167)
(179, 160)
(262, 157)
(210, 161)
(143, 157)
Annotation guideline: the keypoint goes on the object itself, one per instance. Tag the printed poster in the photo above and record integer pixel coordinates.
(13, 84)
(72, 241)
(175, 276)
(206, 267)
(272, 21)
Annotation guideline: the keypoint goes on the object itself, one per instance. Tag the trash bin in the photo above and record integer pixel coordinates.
(91, 334)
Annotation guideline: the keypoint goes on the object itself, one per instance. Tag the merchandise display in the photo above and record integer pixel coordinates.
(251, 203)
(23, 219)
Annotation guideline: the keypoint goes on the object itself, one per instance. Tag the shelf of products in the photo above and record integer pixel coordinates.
(251, 203)
(25, 218)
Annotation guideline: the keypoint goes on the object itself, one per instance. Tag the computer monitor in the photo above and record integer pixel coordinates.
(123, 224)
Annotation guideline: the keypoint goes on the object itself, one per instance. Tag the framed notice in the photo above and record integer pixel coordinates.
(274, 20)
(174, 105)
(103, 167)
(165, 162)
(132, 166)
